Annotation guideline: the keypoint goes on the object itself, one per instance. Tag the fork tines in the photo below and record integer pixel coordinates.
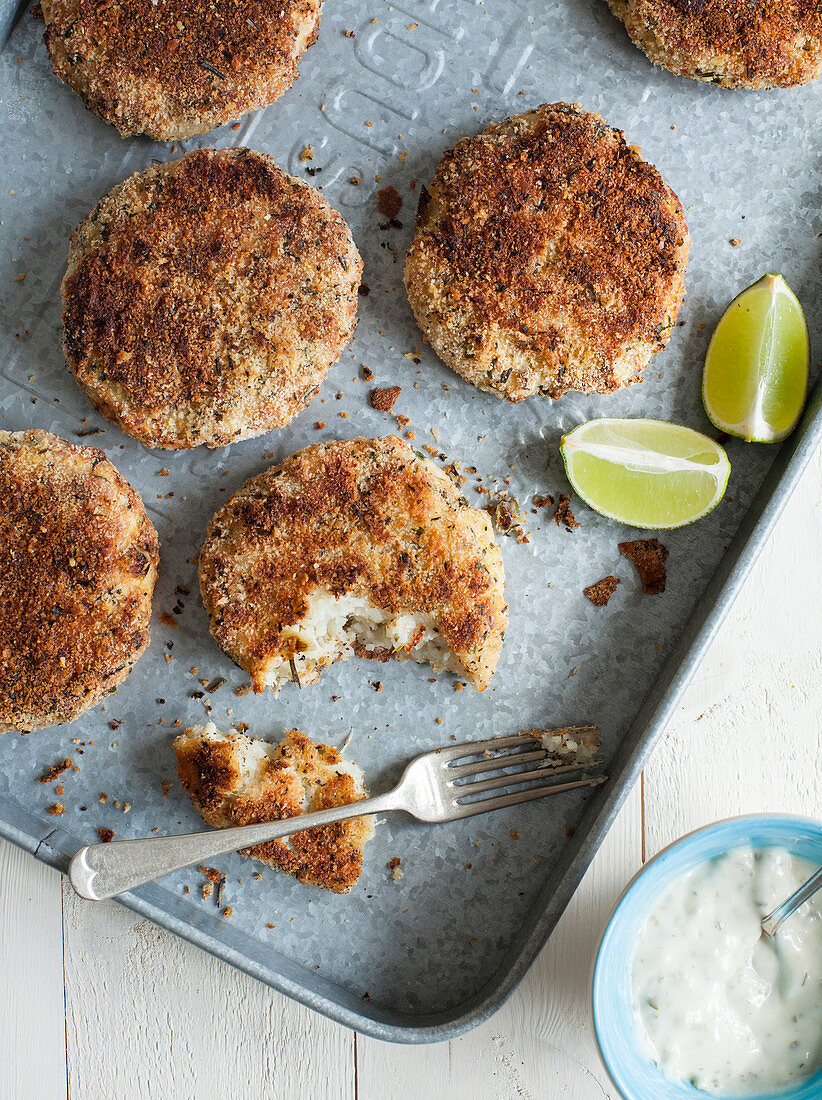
(513, 765)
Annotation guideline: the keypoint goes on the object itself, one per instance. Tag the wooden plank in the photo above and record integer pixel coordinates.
(746, 739)
(151, 1016)
(540, 1044)
(32, 1017)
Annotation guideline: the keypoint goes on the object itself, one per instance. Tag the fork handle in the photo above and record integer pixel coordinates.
(100, 871)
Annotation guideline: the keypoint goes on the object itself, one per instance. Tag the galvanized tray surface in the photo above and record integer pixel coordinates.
(429, 955)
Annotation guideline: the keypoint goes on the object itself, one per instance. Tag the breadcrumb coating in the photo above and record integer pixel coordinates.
(549, 256)
(78, 562)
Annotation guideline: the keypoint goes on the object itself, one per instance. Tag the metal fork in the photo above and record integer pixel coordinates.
(434, 787)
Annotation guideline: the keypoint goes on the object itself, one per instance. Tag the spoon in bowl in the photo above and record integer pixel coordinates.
(770, 923)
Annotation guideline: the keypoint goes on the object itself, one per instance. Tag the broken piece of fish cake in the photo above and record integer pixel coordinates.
(360, 547)
(234, 779)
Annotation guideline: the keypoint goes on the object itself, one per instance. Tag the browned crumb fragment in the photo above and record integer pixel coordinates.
(363, 290)
(389, 202)
(207, 890)
(543, 502)
(55, 771)
(514, 834)
(384, 399)
(228, 912)
(103, 796)
(59, 789)
(395, 861)
(307, 154)
(649, 556)
(167, 785)
(57, 809)
(601, 592)
(168, 620)
(106, 835)
(735, 241)
(563, 516)
(320, 424)
(367, 373)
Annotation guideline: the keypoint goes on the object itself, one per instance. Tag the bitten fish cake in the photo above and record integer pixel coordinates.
(549, 256)
(78, 562)
(206, 299)
(358, 547)
(234, 779)
(733, 43)
(170, 69)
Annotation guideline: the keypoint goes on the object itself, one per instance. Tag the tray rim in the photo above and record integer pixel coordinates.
(718, 596)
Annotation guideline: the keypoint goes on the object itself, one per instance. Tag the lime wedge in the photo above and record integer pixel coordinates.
(756, 370)
(646, 473)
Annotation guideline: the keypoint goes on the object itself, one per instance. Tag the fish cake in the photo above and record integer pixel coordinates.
(233, 779)
(549, 256)
(733, 43)
(78, 562)
(170, 69)
(206, 299)
(356, 547)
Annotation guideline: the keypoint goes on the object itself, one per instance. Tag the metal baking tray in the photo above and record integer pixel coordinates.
(428, 956)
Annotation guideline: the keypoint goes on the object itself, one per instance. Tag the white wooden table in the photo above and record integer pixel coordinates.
(95, 1002)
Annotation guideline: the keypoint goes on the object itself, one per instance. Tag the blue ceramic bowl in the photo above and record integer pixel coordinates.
(619, 1045)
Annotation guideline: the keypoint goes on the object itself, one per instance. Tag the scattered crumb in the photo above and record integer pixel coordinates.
(649, 556)
(57, 809)
(168, 620)
(389, 202)
(735, 241)
(228, 912)
(600, 593)
(507, 516)
(106, 835)
(307, 154)
(384, 399)
(563, 516)
(367, 373)
(543, 502)
(55, 771)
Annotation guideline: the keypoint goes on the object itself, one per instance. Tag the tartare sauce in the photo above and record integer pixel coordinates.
(715, 1003)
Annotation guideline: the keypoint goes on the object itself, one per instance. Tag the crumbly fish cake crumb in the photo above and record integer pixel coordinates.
(233, 779)
(78, 562)
(549, 256)
(206, 299)
(356, 547)
(170, 69)
(732, 43)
